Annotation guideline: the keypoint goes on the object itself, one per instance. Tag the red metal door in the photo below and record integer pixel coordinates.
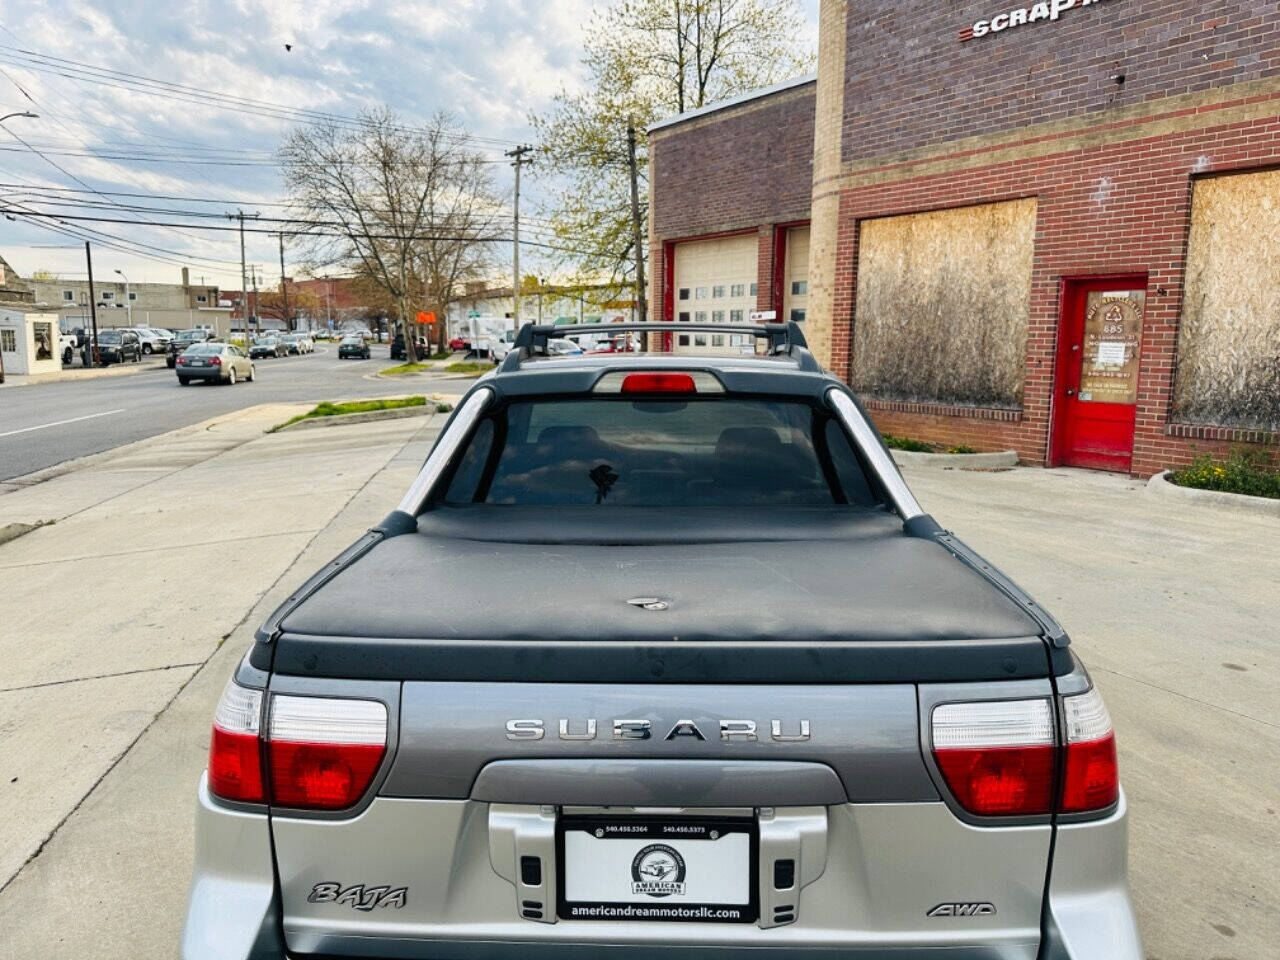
(1096, 383)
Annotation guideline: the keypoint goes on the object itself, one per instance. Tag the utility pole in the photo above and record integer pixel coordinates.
(518, 153)
(636, 239)
(284, 286)
(244, 282)
(93, 308)
(257, 320)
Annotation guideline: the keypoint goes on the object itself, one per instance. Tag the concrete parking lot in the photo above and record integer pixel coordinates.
(127, 614)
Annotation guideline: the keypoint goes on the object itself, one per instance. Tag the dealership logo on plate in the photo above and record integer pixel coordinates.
(658, 871)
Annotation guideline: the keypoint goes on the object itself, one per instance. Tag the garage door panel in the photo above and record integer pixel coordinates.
(715, 282)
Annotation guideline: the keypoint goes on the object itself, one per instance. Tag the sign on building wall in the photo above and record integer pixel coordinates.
(1112, 345)
(1049, 11)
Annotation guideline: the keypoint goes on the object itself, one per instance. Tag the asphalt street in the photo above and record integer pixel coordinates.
(42, 425)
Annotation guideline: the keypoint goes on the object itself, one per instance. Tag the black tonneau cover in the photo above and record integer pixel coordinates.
(798, 595)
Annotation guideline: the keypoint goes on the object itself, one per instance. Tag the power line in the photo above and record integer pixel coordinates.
(87, 72)
(335, 229)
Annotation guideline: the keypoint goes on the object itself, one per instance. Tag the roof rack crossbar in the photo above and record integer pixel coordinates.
(784, 338)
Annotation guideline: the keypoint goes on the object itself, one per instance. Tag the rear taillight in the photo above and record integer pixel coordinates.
(1091, 777)
(999, 758)
(235, 763)
(215, 361)
(182, 361)
(320, 753)
(323, 753)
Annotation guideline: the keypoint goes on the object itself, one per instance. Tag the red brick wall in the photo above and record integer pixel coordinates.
(910, 82)
(1122, 209)
(751, 166)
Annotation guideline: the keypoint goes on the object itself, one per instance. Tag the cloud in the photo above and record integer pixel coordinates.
(489, 62)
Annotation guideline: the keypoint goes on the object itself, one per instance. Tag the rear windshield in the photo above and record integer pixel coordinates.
(615, 452)
(204, 350)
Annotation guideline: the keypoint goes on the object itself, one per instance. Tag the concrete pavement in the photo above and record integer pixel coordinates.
(155, 559)
(1171, 608)
(1173, 611)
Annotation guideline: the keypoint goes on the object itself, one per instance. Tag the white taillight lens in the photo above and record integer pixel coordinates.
(324, 752)
(235, 758)
(997, 756)
(1091, 777)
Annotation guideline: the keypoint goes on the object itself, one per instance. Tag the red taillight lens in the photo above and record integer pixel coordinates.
(215, 361)
(658, 383)
(324, 753)
(997, 757)
(235, 760)
(182, 361)
(1091, 779)
(1000, 781)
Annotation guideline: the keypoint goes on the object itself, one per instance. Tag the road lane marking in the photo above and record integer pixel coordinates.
(60, 423)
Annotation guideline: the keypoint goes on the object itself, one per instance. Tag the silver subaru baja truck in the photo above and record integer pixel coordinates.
(727, 692)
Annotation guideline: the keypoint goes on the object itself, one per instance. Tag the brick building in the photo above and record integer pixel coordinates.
(1052, 227)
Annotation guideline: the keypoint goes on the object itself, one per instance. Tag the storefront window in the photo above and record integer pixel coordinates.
(8, 341)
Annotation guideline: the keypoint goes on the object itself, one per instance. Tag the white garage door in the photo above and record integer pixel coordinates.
(715, 282)
(795, 290)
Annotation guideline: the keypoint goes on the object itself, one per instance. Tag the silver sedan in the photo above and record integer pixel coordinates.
(220, 362)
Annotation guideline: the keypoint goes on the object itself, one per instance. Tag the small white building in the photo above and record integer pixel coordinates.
(29, 342)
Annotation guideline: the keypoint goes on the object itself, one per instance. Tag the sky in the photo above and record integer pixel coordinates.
(489, 62)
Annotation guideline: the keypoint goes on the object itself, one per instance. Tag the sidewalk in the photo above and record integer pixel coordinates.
(153, 362)
(125, 617)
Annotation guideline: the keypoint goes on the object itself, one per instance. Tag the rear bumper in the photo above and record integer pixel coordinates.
(464, 908)
(202, 373)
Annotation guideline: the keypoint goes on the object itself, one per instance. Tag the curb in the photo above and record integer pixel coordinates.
(956, 461)
(344, 419)
(1160, 486)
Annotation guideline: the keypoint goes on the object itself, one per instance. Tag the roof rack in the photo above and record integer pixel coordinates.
(785, 339)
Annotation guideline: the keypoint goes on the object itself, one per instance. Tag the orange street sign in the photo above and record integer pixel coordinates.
(426, 317)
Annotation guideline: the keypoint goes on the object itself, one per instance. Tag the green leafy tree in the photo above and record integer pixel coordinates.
(645, 60)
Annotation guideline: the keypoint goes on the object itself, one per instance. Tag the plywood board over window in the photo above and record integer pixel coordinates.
(943, 305)
(1229, 337)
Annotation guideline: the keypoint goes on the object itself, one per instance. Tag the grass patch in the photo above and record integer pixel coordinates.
(327, 409)
(1251, 474)
(469, 366)
(906, 443)
(919, 446)
(406, 368)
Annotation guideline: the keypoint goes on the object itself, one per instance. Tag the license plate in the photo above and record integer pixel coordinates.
(197, 363)
(699, 869)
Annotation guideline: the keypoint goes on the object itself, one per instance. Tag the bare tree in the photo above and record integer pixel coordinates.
(384, 195)
(648, 59)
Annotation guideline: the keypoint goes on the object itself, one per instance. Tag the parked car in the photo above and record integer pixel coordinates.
(219, 362)
(621, 343)
(67, 344)
(791, 712)
(153, 341)
(356, 347)
(184, 339)
(267, 347)
(115, 346)
(300, 343)
(459, 343)
(564, 348)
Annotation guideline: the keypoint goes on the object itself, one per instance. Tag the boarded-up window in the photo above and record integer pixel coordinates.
(1229, 340)
(943, 304)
